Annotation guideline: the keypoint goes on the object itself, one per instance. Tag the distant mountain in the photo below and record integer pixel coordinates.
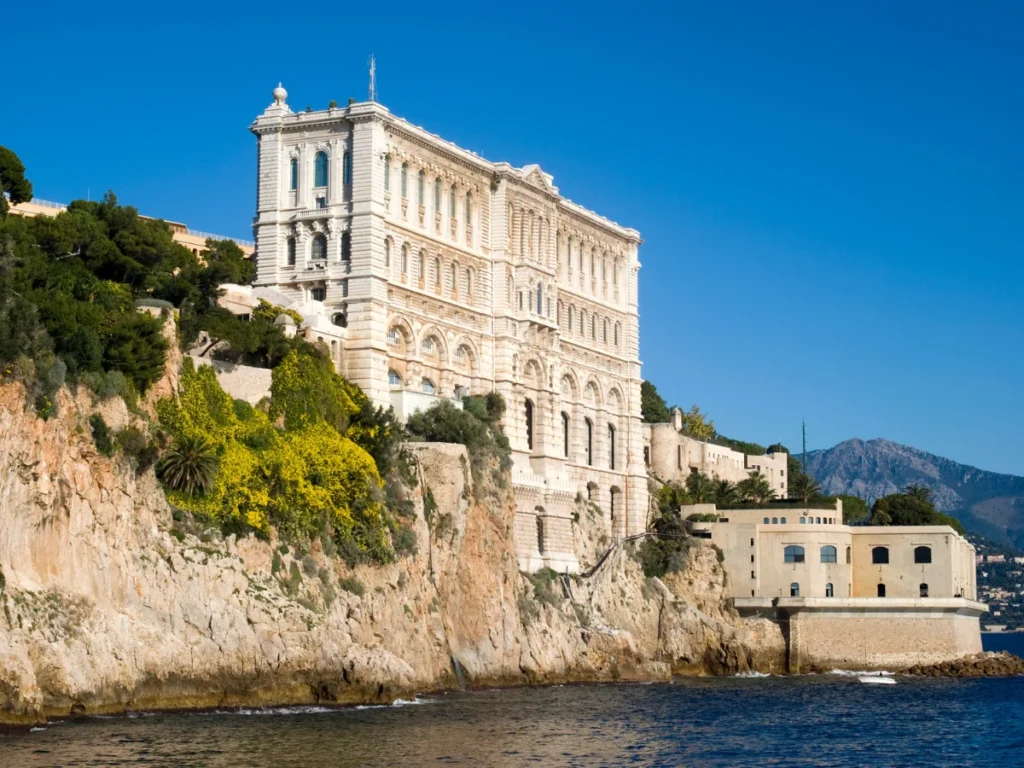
(986, 502)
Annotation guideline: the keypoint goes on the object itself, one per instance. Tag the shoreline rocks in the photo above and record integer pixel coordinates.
(987, 664)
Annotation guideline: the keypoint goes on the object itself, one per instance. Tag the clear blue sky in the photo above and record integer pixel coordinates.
(830, 193)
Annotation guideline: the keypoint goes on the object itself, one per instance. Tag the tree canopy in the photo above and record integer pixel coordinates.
(911, 507)
(653, 407)
(13, 183)
(855, 509)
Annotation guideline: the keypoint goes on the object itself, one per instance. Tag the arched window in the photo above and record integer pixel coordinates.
(387, 253)
(803, 520)
(387, 173)
(346, 246)
(529, 424)
(881, 590)
(293, 174)
(794, 554)
(565, 434)
(320, 170)
(828, 554)
(428, 387)
(571, 311)
(604, 331)
(437, 194)
(775, 521)
(405, 181)
(593, 327)
(818, 519)
(318, 248)
(847, 555)
(437, 272)
(611, 446)
(616, 335)
(766, 521)
(923, 590)
(455, 279)
(794, 590)
(540, 534)
(828, 590)
(405, 259)
(469, 209)
(922, 554)
(394, 379)
(568, 252)
(422, 266)
(421, 180)
(451, 201)
(291, 251)
(589, 441)
(782, 520)
(880, 555)
(346, 169)
(540, 300)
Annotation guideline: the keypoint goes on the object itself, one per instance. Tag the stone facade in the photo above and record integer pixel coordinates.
(441, 273)
(672, 455)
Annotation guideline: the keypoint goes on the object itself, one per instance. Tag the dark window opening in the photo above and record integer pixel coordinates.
(922, 554)
(529, 424)
(794, 554)
(881, 590)
(794, 590)
(880, 556)
(924, 590)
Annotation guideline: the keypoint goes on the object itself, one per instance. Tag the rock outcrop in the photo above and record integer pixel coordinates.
(988, 664)
(112, 602)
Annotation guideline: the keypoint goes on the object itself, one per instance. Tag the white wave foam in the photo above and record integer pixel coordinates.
(36, 729)
(752, 673)
(270, 711)
(410, 703)
(866, 673)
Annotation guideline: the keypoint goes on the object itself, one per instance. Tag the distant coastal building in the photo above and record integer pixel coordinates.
(430, 273)
(671, 456)
(192, 239)
(881, 596)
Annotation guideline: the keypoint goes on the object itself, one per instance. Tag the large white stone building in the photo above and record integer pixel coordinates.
(435, 272)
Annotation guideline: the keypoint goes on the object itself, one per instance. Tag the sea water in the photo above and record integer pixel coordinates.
(811, 720)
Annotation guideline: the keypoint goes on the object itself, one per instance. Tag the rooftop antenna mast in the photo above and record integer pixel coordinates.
(373, 78)
(803, 427)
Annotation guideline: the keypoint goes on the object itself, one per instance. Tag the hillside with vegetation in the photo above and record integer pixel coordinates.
(989, 503)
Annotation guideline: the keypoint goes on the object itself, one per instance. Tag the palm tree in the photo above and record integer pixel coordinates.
(725, 494)
(919, 492)
(189, 465)
(756, 488)
(700, 487)
(803, 487)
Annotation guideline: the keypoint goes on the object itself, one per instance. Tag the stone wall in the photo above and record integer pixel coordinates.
(242, 382)
(880, 637)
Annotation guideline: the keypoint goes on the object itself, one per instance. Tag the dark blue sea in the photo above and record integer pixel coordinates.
(813, 720)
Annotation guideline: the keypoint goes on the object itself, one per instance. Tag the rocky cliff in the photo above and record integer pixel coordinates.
(112, 602)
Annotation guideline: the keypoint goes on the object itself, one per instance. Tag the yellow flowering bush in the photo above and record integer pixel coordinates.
(305, 479)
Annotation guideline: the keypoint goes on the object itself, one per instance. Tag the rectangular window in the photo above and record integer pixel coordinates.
(321, 202)
(318, 294)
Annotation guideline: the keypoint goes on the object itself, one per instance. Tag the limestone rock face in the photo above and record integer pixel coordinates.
(109, 605)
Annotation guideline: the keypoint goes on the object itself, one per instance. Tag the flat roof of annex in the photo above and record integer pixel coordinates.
(279, 116)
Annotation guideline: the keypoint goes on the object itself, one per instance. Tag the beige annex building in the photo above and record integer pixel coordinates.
(431, 272)
(860, 596)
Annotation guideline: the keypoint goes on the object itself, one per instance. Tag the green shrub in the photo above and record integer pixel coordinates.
(702, 517)
(101, 435)
(477, 426)
(309, 565)
(353, 585)
(137, 447)
(403, 538)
